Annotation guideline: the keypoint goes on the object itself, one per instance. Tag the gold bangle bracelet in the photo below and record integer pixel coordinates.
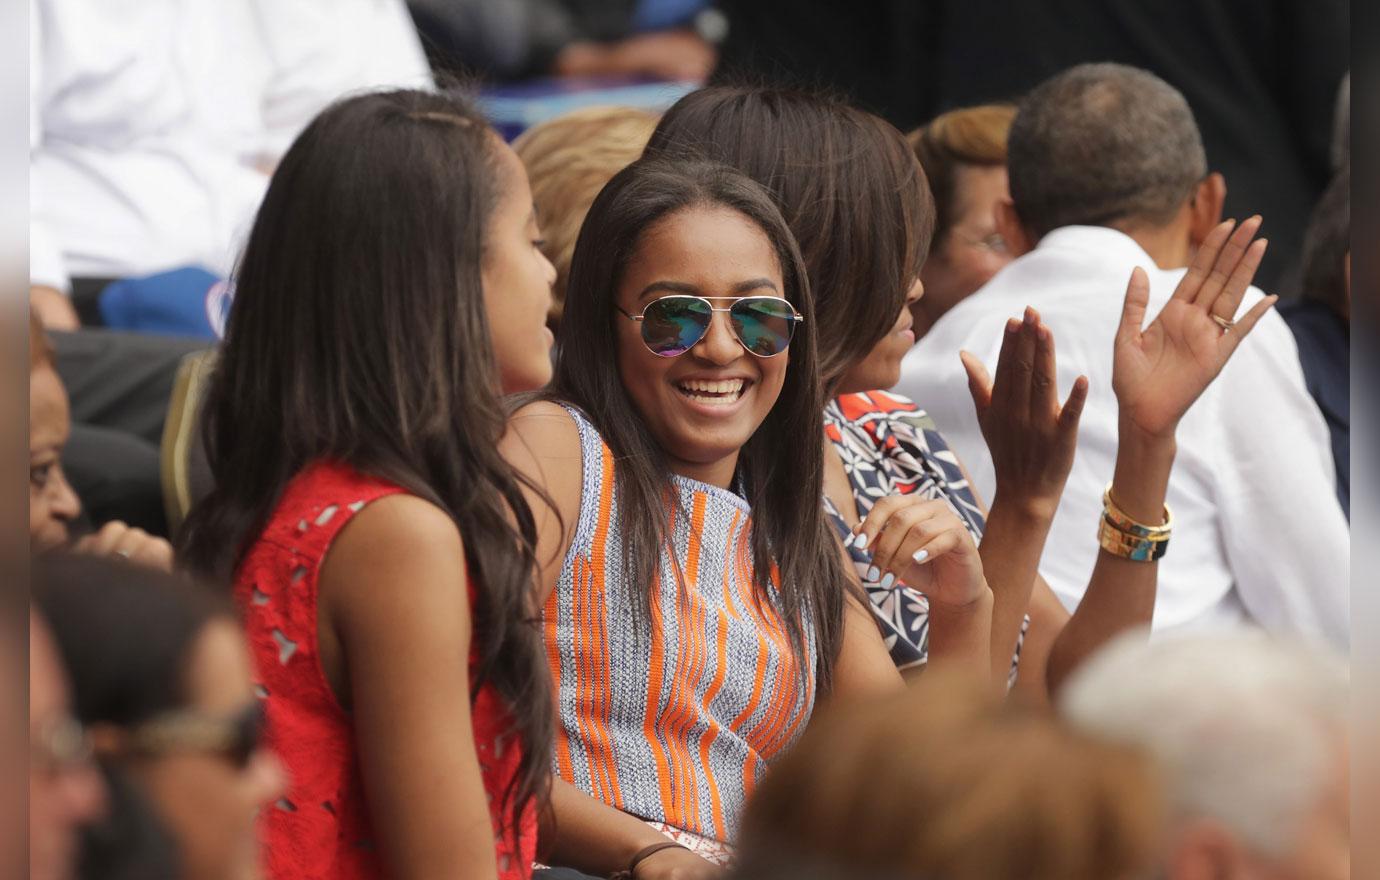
(1118, 518)
(1124, 545)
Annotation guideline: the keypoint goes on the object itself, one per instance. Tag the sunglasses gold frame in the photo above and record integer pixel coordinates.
(795, 318)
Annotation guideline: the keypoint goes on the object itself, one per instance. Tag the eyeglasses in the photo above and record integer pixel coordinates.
(992, 241)
(236, 737)
(672, 325)
(61, 747)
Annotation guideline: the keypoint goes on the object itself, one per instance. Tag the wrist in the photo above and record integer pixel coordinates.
(1031, 510)
(1129, 432)
(979, 601)
(1141, 478)
(646, 854)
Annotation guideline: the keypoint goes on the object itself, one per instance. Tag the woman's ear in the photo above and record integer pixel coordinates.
(1018, 239)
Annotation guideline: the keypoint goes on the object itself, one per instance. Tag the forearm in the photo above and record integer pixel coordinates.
(1047, 621)
(591, 836)
(1010, 549)
(961, 636)
(1121, 592)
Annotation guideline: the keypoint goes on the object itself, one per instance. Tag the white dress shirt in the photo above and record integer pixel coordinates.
(1258, 533)
(153, 122)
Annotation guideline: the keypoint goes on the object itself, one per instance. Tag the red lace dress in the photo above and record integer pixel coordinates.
(321, 827)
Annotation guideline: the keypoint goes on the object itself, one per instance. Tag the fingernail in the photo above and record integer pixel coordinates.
(888, 580)
(873, 572)
(1029, 316)
(861, 542)
(1013, 325)
(921, 555)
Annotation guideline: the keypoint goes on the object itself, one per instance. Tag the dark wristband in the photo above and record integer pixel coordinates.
(642, 855)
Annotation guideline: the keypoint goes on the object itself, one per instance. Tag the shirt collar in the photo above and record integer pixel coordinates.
(1110, 244)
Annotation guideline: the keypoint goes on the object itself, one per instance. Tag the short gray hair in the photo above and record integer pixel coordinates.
(1244, 726)
(1103, 143)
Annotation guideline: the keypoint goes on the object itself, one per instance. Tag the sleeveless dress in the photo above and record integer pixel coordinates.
(321, 827)
(890, 446)
(673, 720)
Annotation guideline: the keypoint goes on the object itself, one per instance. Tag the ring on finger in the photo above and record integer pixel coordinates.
(1222, 322)
(123, 553)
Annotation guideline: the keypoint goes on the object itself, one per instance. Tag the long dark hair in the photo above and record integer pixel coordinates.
(126, 635)
(358, 334)
(848, 185)
(780, 469)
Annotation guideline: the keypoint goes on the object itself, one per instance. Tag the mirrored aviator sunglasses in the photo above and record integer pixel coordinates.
(672, 325)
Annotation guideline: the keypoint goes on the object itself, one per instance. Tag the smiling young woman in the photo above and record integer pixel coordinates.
(681, 450)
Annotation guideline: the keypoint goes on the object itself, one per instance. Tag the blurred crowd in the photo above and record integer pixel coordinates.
(893, 440)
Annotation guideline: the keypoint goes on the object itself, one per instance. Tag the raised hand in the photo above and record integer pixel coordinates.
(1031, 437)
(923, 543)
(1160, 371)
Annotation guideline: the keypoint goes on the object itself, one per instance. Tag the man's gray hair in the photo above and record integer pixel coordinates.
(1247, 728)
(1101, 144)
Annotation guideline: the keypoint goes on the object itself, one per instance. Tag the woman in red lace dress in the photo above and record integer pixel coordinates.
(391, 290)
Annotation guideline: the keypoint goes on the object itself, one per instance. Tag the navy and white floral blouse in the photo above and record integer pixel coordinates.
(890, 446)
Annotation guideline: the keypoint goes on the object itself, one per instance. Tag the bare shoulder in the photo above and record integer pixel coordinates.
(542, 442)
(544, 429)
(395, 544)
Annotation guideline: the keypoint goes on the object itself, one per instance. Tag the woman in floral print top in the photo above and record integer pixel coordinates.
(890, 446)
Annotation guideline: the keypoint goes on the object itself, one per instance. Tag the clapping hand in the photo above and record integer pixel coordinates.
(1031, 437)
(1160, 371)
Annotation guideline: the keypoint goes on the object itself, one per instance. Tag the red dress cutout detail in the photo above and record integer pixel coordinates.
(321, 828)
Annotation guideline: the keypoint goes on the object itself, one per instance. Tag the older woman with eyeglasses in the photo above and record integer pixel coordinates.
(963, 153)
(162, 695)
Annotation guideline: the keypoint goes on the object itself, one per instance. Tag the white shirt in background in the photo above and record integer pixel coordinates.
(153, 121)
(1258, 533)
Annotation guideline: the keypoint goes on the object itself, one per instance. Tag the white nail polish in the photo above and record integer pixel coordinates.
(861, 543)
(873, 573)
(888, 580)
(921, 555)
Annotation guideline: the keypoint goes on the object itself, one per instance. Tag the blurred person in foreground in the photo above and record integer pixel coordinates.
(65, 791)
(1107, 173)
(54, 507)
(568, 160)
(1251, 736)
(963, 153)
(161, 680)
(1321, 321)
(949, 783)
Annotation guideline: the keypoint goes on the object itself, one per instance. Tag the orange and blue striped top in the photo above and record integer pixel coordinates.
(672, 719)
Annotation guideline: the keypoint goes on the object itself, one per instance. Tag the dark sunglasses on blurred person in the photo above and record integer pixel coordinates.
(235, 737)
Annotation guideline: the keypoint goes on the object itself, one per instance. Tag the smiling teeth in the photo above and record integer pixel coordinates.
(724, 386)
(712, 393)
